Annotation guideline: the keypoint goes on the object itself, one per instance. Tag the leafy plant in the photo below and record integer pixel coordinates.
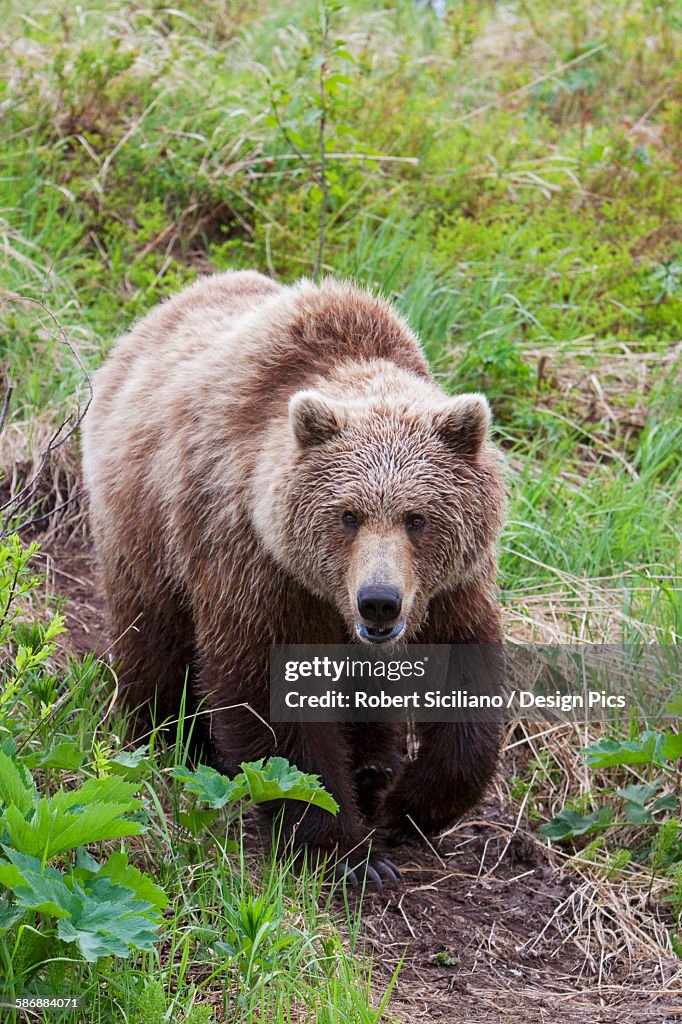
(255, 937)
(257, 783)
(314, 112)
(60, 797)
(105, 907)
(637, 823)
(632, 804)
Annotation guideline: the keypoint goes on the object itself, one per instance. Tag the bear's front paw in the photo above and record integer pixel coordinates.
(377, 869)
(403, 815)
(352, 867)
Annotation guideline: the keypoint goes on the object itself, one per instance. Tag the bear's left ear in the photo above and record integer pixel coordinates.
(314, 418)
(463, 423)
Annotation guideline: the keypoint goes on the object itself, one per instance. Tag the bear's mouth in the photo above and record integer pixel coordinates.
(379, 634)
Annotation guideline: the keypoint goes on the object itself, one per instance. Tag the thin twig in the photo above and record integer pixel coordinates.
(47, 515)
(318, 172)
(324, 183)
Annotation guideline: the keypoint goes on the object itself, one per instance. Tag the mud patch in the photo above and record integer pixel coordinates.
(488, 926)
(70, 570)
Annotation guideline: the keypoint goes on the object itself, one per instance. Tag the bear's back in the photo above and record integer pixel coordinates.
(207, 372)
(180, 328)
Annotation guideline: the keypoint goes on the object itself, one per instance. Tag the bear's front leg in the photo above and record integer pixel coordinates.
(455, 760)
(322, 749)
(454, 764)
(239, 732)
(325, 750)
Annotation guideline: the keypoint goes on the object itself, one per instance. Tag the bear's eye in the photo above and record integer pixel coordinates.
(414, 523)
(349, 519)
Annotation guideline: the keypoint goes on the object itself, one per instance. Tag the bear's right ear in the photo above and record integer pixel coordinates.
(315, 419)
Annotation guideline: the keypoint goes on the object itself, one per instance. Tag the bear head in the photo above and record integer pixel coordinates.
(384, 498)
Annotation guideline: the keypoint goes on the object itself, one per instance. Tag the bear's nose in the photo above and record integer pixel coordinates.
(379, 604)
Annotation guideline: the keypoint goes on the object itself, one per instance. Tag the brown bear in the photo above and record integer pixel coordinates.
(270, 464)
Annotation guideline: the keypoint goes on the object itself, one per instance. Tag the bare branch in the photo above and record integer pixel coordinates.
(322, 178)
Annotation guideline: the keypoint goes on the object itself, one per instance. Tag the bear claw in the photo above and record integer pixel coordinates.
(377, 871)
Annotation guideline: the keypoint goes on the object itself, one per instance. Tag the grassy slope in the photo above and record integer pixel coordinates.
(523, 209)
(535, 244)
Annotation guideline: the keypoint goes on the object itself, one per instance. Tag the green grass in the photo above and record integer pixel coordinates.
(510, 177)
(536, 228)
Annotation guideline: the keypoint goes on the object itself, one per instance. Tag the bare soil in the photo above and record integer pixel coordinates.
(493, 927)
(487, 920)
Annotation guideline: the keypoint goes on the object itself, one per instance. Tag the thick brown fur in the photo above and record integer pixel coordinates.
(229, 433)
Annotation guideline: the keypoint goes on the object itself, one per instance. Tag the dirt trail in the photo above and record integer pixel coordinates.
(493, 929)
(489, 924)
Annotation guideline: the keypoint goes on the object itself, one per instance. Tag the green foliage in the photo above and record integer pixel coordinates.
(78, 815)
(636, 823)
(510, 178)
(255, 936)
(568, 824)
(52, 825)
(651, 748)
(100, 916)
(313, 114)
(150, 1004)
(638, 803)
(278, 779)
(106, 907)
(259, 781)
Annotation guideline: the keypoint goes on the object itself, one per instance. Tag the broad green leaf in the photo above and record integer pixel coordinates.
(608, 753)
(66, 756)
(17, 788)
(72, 818)
(10, 914)
(120, 871)
(210, 786)
(44, 894)
(639, 794)
(109, 920)
(635, 814)
(10, 876)
(35, 887)
(275, 780)
(569, 823)
(108, 789)
(671, 747)
(85, 863)
(278, 779)
(50, 831)
(668, 802)
(131, 764)
(195, 820)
